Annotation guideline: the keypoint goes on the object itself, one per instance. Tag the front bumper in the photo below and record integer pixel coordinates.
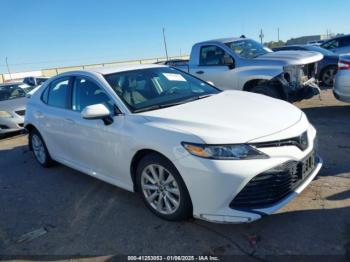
(213, 184)
(11, 124)
(341, 97)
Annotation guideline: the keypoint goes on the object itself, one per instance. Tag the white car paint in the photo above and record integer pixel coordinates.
(106, 151)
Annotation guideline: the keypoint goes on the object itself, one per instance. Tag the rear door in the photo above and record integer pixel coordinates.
(212, 67)
(52, 117)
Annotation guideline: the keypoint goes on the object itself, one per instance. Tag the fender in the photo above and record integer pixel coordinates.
(246, 74)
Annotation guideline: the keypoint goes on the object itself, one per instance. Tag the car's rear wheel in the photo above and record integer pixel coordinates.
(39, 148)
(162, 188)
(267, 91)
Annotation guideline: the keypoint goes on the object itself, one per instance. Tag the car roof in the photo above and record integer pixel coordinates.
(225, 40)
(116, 69)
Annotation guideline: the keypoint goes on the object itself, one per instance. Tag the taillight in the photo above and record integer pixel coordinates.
(344, 65)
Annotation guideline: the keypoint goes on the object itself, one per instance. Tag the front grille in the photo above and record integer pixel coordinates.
(300, 141)
(20, 112)
(273, 185)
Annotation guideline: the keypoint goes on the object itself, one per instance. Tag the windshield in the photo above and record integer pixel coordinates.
(14, 91)
(320, 50)
(247, 48)
(153, 88)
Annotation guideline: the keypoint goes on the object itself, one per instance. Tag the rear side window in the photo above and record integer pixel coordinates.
(58, 93)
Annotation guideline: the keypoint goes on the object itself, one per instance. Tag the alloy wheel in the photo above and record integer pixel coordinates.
(160, 189)
(38, 149)
(328, 77)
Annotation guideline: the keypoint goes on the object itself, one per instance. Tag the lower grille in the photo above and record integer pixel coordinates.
(21, 125)
(273, 185)
(20, 112)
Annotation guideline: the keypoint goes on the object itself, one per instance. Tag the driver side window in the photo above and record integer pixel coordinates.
(212, 55)
(86, 93)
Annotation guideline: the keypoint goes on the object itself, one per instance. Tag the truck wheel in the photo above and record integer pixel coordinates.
(267, 91)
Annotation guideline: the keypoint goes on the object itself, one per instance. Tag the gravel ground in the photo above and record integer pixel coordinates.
(72, 214)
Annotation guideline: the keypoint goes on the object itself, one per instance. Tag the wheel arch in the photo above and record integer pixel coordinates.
(136, 160)
(275, 83)
(30, 128)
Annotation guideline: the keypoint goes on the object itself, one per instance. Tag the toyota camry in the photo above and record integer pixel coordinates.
(188, 148)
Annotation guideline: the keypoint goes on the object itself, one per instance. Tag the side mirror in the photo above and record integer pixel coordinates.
(228, 61)
(97, 111)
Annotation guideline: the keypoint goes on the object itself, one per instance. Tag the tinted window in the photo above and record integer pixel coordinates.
(212, 55)
(331, 44)
(86, 93)
(149, 89)
(345, 41)
(14, 91)
(58, 94)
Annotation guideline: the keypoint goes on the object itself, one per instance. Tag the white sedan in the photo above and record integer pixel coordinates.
(188, 148)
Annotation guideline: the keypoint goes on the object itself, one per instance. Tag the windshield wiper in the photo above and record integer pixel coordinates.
(171, 104)
(149, 108)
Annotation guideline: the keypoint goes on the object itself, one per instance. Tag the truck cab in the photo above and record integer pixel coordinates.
(244, 64)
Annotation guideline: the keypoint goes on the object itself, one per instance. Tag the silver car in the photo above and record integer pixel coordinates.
(342, 80)
(12, 106)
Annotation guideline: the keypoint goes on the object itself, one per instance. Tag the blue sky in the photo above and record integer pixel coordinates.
(39, 34)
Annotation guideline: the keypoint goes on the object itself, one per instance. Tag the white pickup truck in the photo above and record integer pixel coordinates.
(244, 64)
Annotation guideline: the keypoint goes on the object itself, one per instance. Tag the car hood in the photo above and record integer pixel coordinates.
(291, 57)
(13, 104)
(228, 117)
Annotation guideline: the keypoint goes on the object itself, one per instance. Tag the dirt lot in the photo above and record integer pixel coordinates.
(79, 215)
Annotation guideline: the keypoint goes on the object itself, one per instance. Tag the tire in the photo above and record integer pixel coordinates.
(166, 195)
(328, 75)
(38, 146)
(267, 91)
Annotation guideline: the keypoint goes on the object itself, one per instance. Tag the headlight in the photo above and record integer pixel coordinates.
(224, 152)
(5, 114)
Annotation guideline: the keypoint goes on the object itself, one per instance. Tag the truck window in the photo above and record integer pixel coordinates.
(211, 55)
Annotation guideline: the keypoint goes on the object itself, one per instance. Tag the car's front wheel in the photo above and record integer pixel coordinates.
(39, 149)
(328, 76)
(162, 188)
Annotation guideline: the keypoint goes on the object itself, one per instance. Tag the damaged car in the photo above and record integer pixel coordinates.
(244, 64)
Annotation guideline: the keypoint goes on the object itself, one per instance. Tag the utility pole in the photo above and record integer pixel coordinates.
(8, 68)
(166, 49)
(278, 34)
(261, 36)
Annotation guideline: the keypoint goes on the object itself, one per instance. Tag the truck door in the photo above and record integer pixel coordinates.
(216, 66)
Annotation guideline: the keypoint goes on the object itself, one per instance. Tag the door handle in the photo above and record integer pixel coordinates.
(70, 121)
(200, 72)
